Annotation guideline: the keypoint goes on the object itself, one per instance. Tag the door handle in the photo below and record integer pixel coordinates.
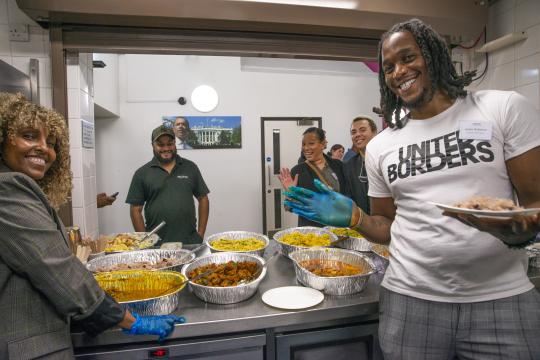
(269, 175)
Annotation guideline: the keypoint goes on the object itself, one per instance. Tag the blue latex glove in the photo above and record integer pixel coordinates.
(161, 325)
(326, 207)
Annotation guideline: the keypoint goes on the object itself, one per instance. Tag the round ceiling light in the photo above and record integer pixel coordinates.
(204, 98)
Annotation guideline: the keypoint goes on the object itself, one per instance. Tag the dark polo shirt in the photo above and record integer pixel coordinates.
(169, 197)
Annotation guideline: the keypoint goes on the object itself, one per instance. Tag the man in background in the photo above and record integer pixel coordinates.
(363, 129)
(181, 131)
(350, 153)
(165, 188)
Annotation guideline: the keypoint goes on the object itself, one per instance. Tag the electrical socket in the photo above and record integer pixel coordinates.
(19, 32)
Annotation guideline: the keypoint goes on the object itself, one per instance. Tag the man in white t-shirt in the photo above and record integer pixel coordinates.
(454, 288)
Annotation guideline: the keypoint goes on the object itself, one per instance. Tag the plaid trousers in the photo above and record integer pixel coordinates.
(416, 329)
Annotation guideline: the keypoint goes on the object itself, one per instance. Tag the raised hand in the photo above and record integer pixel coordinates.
(326, 207)
(286, 179)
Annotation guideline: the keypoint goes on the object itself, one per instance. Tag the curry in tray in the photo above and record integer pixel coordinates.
(224, 275)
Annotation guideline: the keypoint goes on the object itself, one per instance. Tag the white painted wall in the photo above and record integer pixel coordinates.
(149, 87)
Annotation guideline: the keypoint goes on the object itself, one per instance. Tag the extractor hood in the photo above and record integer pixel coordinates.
(458, 19)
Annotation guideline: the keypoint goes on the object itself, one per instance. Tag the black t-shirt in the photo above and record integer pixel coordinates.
(169, 197)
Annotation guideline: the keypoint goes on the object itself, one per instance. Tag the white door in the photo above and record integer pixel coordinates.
(282, 148)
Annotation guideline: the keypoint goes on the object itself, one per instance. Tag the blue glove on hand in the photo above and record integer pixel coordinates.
(161, 325)
(326, 207)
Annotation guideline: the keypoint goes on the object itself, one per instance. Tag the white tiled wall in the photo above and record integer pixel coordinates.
(83, 160)
(515, 67)
(19, 54)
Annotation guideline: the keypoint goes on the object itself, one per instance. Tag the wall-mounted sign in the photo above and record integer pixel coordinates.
(87, 134)
(206, 132)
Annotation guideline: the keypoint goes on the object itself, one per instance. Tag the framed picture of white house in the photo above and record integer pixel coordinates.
(206, 132)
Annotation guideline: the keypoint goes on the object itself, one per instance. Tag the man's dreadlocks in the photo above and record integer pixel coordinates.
(441, 71)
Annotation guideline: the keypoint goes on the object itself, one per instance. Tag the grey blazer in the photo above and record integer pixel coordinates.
(42, 285)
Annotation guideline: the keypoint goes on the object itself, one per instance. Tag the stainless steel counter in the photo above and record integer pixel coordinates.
(205, 319)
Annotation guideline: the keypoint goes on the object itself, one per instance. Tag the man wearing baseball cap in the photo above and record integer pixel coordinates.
(165, 188)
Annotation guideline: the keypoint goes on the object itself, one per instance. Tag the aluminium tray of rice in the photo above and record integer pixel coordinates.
(306, 239)
(303, 237)
(245, 244)
(238, 241)
(146, 292)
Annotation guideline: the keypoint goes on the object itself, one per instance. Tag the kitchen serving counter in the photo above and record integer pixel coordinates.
(210, 319)
(252, 321)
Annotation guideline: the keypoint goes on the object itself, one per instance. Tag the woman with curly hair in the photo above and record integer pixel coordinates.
(44, 287)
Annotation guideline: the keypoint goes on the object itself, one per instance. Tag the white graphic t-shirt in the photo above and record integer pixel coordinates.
(435, 257)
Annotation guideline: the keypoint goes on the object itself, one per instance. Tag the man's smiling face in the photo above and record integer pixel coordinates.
(164, 149)
(405, 70)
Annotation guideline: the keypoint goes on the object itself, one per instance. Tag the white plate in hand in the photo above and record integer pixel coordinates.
(487, 213)
(292, 297)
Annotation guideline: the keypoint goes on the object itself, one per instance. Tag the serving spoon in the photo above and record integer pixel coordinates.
(197, 277)
(259, 271)
(340, 239)
(188, 254)
(155, 230)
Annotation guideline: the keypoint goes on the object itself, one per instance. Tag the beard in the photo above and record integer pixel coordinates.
(425, 97)
(164, 160)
